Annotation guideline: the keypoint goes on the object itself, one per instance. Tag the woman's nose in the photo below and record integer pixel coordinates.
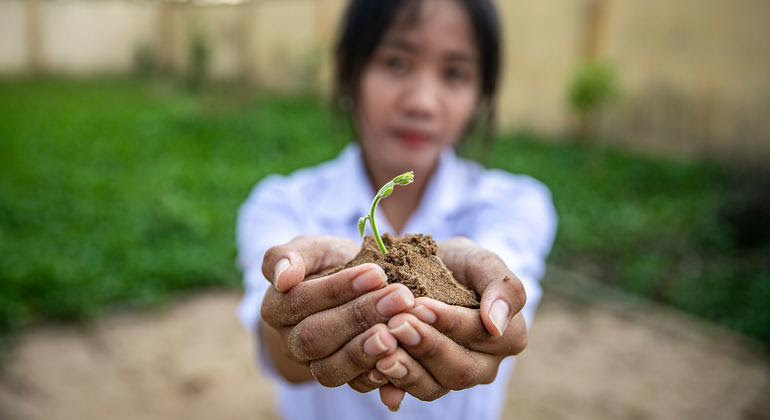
(421, 98)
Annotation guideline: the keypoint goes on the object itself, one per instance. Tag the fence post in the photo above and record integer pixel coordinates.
(34, 39)
(595, 29)
(165, 52)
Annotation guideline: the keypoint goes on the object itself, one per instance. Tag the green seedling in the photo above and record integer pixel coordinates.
(386, 190)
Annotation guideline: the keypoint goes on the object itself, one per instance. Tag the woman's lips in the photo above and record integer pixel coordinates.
(413, 138)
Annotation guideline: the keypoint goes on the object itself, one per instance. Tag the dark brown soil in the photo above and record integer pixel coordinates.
(413, 261)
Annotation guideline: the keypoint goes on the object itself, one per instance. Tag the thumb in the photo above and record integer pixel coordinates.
(501, 300)
(287, 265)
(288, 271)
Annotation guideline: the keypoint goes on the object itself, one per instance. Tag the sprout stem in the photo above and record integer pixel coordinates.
(376, 234)
(386, 190)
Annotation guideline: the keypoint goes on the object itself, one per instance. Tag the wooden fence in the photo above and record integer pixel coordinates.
(694, 74)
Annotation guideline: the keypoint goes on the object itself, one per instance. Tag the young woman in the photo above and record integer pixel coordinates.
(415, 75)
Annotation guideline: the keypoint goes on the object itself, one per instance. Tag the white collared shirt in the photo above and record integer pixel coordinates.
(511, 215)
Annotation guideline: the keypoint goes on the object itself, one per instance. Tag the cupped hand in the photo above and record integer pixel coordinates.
(445, 347)
(335, 324)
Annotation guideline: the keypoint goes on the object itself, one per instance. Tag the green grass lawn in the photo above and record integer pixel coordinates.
(116, 193)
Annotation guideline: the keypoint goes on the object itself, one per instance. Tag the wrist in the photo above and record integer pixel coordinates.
(291, 371)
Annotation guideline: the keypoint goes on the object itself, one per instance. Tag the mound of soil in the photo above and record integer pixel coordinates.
(413, 261)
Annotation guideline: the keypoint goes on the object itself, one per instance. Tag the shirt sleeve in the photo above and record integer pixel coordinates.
(265, 219)
(517, 221)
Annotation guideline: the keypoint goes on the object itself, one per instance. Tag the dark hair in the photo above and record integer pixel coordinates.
(365, 23)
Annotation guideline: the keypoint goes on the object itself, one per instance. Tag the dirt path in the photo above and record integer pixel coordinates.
(586, 360)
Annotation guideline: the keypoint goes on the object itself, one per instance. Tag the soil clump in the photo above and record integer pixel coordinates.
(413, 261)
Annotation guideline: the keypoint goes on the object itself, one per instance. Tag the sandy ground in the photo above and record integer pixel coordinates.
(587, 359)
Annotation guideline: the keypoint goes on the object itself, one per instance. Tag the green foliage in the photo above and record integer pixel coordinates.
(592, 86)
(651, 227)
(117, 193)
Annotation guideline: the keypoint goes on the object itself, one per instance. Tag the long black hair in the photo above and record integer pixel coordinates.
(365, 23)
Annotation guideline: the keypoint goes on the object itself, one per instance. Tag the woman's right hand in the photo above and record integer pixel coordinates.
(334, 324)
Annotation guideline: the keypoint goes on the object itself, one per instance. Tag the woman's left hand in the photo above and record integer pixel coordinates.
(446, 347)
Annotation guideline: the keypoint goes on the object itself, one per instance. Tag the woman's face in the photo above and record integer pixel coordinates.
(420, 89)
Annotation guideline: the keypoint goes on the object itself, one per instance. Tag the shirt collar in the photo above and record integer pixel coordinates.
(350, 195)
(443, 194)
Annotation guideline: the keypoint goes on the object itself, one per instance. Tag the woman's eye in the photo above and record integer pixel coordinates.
(455, 74)
(395, 63)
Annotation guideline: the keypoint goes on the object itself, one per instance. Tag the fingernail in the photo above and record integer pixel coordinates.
(376, 345)
(498, 313)
(406, 334)
(397, 371)
(280, 267)
(376, 377)
(424, 314)
(395, 302)
(394, 408)
(370, 280)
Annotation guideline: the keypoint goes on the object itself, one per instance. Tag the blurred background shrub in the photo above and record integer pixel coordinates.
(592, 87)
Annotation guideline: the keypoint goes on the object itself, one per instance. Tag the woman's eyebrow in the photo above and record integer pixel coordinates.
(410, 47)
(460, 56)
(399, 44)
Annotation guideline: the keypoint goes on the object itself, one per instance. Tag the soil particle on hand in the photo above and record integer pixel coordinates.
(413, 261)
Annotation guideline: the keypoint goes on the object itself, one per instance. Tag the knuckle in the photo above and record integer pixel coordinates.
(293, 304)
(519, 294)
(358, 385)
(271, 310)
(430, 349)
(483, 259)
(323, 377)
(305, 343)
(483, 256)
(478, 336)
(454, 324)
(519, 342)
(433, 394)
(355, 355)
(465, 378)
(267, 311)
(332, 292)
(489, 377)
(362, 314)
(324, 381)
(268, 314)
(318, 370)
(464, 241)
(410, 381)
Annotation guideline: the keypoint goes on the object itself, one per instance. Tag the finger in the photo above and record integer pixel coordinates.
(452, 366)
(323, 333)
(404, 372)
(465, 327)
(358, 356)
(502, 293)
(391, 397)
(312, 296)
(500, 301)
(368, 381)
(288, 264)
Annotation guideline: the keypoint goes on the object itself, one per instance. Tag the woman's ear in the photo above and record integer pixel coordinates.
(345, 103)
